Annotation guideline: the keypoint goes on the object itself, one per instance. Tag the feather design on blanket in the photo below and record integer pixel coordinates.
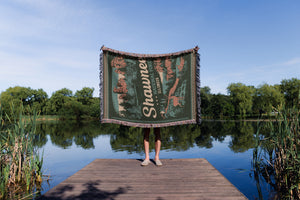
(150, 90)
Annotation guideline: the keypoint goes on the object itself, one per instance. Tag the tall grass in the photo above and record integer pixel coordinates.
(20, 162)
(277, 157)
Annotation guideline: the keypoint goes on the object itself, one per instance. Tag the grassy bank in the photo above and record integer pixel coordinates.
(47, 118)
(20, 162)
(41, 118)
(277, 157)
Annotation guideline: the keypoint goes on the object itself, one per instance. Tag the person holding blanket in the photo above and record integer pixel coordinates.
(157, 147)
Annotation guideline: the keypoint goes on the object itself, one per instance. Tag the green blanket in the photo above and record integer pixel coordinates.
(150, 90)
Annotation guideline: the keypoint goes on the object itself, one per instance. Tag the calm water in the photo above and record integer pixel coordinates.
(228, 146)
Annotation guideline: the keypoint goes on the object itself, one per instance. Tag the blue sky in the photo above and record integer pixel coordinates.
(52, 44)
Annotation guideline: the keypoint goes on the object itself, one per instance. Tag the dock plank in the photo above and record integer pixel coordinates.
(123, 179)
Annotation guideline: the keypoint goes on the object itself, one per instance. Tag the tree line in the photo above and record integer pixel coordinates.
(62, 103)
(242, 101)
(245, 101)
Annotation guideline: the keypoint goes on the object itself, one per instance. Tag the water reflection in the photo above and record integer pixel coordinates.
(242, 137)
(64, 133)
(233, 140)
(177, 138)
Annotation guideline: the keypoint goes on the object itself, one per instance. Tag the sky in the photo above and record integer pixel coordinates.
(52, 44)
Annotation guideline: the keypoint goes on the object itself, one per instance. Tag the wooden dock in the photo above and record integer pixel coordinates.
(126, 179)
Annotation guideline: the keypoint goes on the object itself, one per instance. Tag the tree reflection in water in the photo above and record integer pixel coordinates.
(176, 138)
(240, 137)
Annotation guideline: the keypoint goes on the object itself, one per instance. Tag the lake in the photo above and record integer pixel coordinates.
(228, 145)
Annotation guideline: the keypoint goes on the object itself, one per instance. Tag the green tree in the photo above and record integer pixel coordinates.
(241, 97)
(94, 109)
(220, 106)
(72, 109)
(205, 100)
(15, 96)
(291, 90)
(39, 100)
(57, 100)
(85, 95)
(266, 97)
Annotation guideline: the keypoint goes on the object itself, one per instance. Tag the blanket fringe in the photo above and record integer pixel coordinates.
(147, 125)
(195, 49)
(101, 95)
(198, 89)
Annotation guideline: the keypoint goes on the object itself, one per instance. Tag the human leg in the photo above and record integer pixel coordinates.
(157, 143)
(146, 142)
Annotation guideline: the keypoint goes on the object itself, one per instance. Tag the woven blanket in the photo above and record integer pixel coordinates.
(149, 90)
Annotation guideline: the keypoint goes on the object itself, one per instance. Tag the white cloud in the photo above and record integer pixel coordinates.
(291, 62)
(39, 46)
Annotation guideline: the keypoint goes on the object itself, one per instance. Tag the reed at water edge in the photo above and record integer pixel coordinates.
(277, 157)
(20, 162)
